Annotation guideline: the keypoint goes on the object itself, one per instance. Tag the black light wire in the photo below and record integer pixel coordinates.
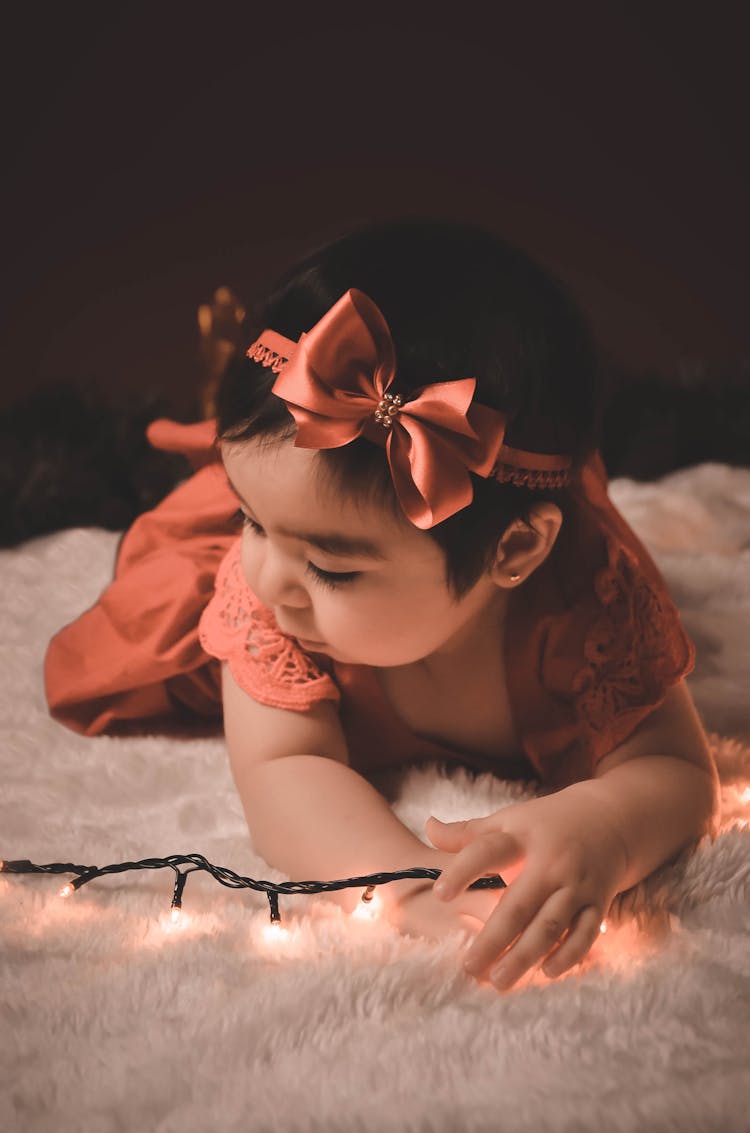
(227, 877)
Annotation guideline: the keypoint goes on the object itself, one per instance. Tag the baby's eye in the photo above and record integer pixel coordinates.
(332, 578)
(246, 521)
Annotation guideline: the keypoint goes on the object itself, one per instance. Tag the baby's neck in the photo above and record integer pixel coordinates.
(457, 696)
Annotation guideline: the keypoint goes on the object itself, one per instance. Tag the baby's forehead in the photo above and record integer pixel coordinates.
(297, 491)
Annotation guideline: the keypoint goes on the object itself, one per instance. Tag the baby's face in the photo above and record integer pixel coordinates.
(345, 579)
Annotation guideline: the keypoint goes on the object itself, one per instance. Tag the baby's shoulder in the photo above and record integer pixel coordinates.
(596, 640)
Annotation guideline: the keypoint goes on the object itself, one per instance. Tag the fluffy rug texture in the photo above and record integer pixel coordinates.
(114, 1019)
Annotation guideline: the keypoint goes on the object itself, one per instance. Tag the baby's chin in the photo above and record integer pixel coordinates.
(344, 656)
(384, 660)
(324, 649)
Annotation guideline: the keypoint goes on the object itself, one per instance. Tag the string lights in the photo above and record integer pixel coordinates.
(184, 864)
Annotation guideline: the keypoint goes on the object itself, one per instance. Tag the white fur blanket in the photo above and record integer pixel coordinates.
(113, 1020)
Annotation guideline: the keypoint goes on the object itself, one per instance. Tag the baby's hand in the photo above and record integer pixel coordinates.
(572, 860)
(419, 913)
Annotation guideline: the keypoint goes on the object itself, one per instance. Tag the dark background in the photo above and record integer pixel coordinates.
(156, 152)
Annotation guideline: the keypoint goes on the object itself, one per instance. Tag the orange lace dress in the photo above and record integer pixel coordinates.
(593, 640)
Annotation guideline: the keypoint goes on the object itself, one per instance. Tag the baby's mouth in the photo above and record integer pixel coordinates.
(306, 643)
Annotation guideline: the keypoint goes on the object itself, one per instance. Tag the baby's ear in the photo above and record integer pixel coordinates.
(524, 546)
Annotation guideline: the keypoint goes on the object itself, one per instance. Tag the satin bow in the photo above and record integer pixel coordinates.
(335, 383)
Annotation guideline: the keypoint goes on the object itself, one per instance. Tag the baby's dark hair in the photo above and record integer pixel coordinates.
(460, 302)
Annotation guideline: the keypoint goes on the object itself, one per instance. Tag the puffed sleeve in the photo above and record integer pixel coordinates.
(237, 628)
(595, 642)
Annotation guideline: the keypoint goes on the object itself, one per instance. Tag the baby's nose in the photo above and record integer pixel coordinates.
(278, 594)
(277, 584)
(292, 598)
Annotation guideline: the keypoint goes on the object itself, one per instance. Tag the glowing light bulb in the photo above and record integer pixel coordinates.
(368, 910)
(745, 795)
(66, 890)
(603, 926)
(275, 932)
(175, 921)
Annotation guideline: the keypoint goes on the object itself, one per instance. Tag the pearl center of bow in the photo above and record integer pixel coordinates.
(387, 409)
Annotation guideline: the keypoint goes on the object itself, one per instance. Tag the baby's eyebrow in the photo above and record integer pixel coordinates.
(332, 542)
(335, 544)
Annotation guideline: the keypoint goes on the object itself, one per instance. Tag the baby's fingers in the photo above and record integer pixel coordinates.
(583, 934)
(524, 928)
(486, 854)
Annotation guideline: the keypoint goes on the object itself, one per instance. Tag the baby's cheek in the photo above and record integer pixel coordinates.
(366, 634)
(351, 621)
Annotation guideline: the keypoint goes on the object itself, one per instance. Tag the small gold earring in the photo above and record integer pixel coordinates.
(514, 577)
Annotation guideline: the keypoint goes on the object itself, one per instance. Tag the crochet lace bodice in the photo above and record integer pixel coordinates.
(634, 649)
(271, 667)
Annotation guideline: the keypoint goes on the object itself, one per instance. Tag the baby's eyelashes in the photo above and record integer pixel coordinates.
(328, 578)
(332, 578)
(241, 517)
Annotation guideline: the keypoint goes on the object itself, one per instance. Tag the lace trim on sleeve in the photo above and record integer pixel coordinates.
(272, 668)
(635, 650)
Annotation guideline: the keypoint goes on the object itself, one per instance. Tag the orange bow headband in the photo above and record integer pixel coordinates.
(336, 381)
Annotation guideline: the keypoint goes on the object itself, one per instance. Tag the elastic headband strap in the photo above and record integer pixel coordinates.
(339, 382)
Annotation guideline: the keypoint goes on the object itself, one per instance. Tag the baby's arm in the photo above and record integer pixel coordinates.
(314, 818)
(660, 786)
